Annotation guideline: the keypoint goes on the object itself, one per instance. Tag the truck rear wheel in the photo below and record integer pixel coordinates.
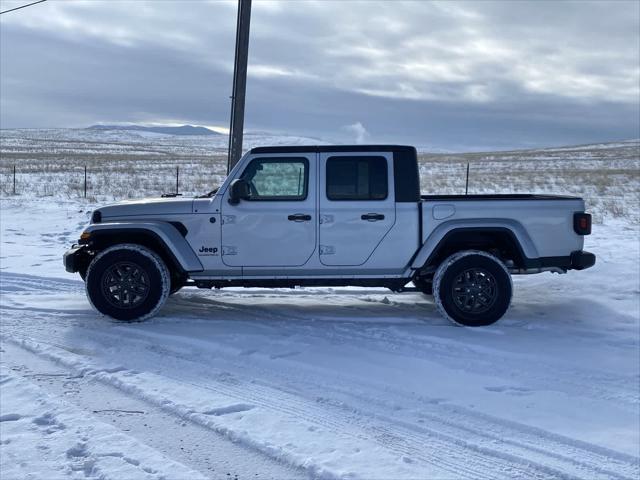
(127, 282)
(472, 288)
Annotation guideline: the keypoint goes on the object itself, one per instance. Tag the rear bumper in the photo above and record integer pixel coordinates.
(577, 260)
(72, 258)
(581, 260)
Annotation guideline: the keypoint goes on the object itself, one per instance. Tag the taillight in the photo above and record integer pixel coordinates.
(582, 223)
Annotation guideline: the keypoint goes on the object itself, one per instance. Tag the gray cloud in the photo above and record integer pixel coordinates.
(360, 133)
(446, 74)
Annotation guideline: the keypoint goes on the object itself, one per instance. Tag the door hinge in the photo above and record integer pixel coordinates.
(327, 250)
(229, 250)
(228, 219)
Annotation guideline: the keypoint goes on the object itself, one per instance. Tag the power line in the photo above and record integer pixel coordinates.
(23, 6)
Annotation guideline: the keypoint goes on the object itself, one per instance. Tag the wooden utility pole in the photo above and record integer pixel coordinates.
(239, 83)
(466, 186)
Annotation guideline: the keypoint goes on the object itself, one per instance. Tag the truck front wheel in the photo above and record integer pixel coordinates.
(472, 288)
(127, 282)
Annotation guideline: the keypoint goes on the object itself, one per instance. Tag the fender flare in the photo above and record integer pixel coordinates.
(438, 238)
(167, 237)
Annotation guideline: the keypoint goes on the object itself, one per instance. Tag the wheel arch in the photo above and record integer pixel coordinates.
(506, 240)
(163, 238)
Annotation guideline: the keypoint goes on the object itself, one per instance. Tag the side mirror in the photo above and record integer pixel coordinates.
(238, 190)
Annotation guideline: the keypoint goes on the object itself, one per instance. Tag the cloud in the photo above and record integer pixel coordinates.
(359, 132)
(463, 73)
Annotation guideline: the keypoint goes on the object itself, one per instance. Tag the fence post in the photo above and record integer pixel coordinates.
(177, 178)
(85, 181)
(466, 187)
(14, 179)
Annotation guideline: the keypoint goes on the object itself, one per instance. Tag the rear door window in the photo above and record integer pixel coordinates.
(356, 178)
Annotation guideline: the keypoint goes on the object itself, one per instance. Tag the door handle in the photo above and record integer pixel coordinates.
(299, 217)
(372, 217)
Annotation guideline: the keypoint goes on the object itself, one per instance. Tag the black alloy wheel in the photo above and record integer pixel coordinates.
(472, 288)
(125, 285)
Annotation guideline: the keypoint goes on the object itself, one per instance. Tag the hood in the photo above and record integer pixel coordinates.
(147, 206)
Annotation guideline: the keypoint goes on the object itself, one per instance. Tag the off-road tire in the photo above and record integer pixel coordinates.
(148, 277)
(472, 288)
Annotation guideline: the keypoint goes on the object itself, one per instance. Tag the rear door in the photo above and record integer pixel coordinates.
(357, 207)
(276, 226)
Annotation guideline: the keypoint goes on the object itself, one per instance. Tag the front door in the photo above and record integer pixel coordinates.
(357, 206)
(276, 226)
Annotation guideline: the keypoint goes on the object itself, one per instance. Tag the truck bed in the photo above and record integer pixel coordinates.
(545, 220)
(500, 196)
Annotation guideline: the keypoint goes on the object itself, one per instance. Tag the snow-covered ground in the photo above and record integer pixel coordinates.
(319, 383)
(312, 383)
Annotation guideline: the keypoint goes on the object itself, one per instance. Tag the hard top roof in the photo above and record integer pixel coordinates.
(333, 148)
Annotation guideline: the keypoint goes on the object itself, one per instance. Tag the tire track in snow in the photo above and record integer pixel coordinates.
(199, 449)
(11, 282)
(310, 413)
(347, 334)
(409, 440)
(565, 379)
(447, 352)
(487, 430)
(463, 463)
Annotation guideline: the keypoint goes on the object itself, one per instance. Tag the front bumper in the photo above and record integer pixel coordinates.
(74, 258)
(581, 260)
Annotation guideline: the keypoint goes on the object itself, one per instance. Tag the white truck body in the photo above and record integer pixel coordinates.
(349, 215)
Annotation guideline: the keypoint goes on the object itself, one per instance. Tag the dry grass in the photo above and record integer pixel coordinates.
(607, 176)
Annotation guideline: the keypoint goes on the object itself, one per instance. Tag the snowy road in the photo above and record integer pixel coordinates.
(319, 383)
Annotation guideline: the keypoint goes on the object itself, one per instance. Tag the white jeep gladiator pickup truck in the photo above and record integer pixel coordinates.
(328, 216)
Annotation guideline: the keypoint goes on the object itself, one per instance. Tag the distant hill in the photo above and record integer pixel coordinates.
(181, 130)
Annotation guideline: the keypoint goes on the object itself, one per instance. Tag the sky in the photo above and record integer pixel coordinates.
(444, 75)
